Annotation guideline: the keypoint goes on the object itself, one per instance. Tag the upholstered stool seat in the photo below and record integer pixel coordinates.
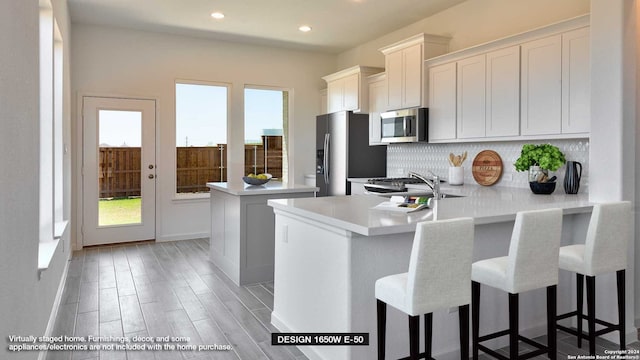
(439, 277)
(532, 264)
(604, 251)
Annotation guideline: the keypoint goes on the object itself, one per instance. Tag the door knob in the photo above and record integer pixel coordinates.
(150, 166)
(151, 176)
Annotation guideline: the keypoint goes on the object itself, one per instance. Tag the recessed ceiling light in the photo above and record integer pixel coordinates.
(217, 15)
(305, 28)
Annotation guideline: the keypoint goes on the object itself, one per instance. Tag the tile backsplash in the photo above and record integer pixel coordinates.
(417, 157)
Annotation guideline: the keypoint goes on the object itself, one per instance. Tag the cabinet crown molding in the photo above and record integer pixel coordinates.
(364, 70)
(421, 38)
(377, 77)
(515, 39)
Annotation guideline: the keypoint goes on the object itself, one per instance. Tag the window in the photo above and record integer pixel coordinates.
(51, 195)
(266, 116)
(201, 135)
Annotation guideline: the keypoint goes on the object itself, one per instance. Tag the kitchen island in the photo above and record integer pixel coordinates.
(242, 227)
(330, 251)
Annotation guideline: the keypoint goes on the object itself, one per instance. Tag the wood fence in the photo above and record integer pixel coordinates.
(119, 173)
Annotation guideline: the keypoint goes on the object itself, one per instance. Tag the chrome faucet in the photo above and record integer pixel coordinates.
(433, 184)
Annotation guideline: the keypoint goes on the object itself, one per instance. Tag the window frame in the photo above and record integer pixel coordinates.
(185, 197)
(286, 126)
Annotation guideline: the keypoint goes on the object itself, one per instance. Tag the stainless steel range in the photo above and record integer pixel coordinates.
(386, 185)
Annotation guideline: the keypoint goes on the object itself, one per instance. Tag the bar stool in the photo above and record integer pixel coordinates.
(604, 251)
(532, 263)
(438, 278)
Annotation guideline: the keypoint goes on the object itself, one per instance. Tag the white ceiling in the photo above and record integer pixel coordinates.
(337, 25)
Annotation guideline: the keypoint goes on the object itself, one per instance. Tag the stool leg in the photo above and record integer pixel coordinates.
(591, 313)
(463, 317)
(428, 334)
(475, 317)
(382, 322)
(620, 274)
(414, 336)
(580, 293)
(552, 346)
(513, 326)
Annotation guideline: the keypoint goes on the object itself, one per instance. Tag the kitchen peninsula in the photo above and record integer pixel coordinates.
(242, 227)
(330, 251)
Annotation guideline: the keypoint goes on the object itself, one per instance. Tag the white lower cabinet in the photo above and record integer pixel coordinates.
(541, 90)
(242, 234)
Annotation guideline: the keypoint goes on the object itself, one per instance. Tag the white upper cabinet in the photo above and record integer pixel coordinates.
(533, 85)
(470, 117)
(503, 92)
(377, 104)
(541, 90)
(348, 90)
(442, 102)
(576, 96)
(403, 66)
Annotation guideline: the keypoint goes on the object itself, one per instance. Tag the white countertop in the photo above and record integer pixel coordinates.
(485, 204)
(272, 187)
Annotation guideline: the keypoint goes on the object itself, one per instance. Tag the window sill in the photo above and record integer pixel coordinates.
(191, 197)
(46, 249)
(59, 228)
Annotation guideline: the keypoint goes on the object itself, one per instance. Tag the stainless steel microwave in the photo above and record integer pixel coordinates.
(406, 125)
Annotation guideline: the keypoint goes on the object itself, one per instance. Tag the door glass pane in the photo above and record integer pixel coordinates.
(119, 167)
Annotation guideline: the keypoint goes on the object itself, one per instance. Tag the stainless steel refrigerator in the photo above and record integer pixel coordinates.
(343, 151)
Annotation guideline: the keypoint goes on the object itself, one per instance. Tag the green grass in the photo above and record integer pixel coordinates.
(119, 211)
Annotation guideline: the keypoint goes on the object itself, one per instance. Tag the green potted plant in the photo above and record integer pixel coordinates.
(539, 160)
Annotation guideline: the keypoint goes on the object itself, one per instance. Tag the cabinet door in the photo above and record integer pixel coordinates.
(377, 104)
(471, 97)
(412, 76)
(442, 102)
(503, 92)
(394, 72)
(541, 93)
(351, 91)
(576, 82)
(335, 96)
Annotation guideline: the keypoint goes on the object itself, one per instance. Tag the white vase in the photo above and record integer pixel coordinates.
(456, 175)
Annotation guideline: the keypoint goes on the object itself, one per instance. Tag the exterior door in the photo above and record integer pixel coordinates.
(119, 175)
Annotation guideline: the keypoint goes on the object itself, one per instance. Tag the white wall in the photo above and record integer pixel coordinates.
(637, 172)
(25, 302)
(110, 61)
(613, 119)
(471, 23)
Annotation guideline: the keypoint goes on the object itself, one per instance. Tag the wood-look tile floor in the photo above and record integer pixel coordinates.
(172, 289)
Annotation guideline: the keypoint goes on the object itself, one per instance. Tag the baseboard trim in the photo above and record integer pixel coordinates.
(282, 327)
(56, 306)
(181, 237)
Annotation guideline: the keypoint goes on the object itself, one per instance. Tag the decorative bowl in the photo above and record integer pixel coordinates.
(542, 188)
(256, 181)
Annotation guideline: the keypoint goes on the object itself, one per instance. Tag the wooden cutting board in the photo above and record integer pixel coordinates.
(487, 167)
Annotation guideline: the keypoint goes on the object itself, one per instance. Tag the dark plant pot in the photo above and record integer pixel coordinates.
(542, 188)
